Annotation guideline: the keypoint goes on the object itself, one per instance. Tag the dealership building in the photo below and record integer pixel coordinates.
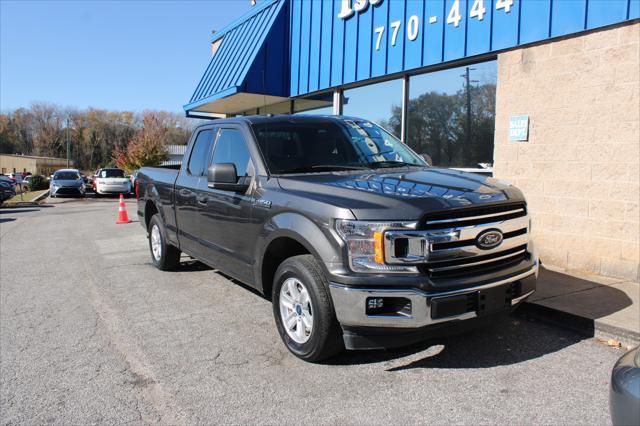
(542, 93)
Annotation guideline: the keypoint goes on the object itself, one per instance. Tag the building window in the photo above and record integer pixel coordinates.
(379, 103)
(320, 104)
(451, 122)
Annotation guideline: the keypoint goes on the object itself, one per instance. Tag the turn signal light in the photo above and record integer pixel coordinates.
(377, 245)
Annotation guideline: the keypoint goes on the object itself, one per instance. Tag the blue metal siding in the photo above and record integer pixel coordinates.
(294, 47)
(365, 35)
(605, 12)
(379, 51)
(314, 59)
(245, 44)
(413, 50)
(354, 57)
(326, 40)
(479, 31)
(338, 47)
(433, 32)
(504, 32)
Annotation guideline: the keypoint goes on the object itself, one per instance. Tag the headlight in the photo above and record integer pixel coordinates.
(365, 245)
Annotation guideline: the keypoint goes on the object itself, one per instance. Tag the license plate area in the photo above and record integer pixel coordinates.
(482, 302)
(494, 299)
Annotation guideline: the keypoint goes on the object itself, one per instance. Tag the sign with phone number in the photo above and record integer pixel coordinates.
(337, 42)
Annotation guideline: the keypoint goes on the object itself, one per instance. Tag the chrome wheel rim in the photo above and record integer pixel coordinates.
(295, 310)
(156, 242)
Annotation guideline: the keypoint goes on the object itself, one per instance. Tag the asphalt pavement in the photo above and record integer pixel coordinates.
(91, 332)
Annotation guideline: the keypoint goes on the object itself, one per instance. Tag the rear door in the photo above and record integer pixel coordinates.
(191, 177)
(227, 230)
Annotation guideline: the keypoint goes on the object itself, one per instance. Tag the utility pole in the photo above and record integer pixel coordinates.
(467, 88)
(68, 153)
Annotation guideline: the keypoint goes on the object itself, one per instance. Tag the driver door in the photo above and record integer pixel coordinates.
(227, 231)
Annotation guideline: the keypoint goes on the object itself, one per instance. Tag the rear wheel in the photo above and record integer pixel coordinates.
(303, 311)
(163, 255)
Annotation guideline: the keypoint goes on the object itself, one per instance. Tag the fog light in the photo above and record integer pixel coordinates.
(375, 303)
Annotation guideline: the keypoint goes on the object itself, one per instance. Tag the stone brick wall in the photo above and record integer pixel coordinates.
(580, 168)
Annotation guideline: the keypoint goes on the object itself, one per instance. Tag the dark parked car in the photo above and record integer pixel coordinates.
(354, 238)
(7, 190)
(624, 394)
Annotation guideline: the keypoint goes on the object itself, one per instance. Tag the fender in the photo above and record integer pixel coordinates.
(304, 231)
(152, 195)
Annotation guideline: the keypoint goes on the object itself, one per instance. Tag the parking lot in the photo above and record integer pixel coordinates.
(91, 332)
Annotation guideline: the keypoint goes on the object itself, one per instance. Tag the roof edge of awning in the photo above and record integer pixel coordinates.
(238, 21)
(220, 95)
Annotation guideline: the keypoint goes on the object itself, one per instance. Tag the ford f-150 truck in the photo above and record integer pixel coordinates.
(355, 239)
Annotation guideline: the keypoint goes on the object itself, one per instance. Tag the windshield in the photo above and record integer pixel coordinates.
(111, 173)
(298, 147)
(66, 176)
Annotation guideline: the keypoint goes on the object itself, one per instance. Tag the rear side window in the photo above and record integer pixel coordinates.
(231, 148)
(200, 153)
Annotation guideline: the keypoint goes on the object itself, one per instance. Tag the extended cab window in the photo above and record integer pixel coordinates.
(200, 153)
(231, 148)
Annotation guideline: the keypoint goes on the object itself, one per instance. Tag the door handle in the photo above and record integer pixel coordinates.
(203, 200)
(185, 192)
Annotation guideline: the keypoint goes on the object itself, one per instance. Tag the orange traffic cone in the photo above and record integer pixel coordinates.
(123, 217)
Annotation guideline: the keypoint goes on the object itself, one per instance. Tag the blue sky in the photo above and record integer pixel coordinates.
(124, 55)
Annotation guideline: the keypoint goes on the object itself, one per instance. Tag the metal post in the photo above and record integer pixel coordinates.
(292, 105)
(404, 125)
(468, 89)
(68, 143)
(337, 101)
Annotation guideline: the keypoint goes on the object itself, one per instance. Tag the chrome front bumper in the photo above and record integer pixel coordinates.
(350, 303)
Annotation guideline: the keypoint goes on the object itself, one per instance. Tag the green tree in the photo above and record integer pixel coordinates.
(438, 124)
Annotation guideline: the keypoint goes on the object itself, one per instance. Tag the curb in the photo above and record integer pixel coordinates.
(582, 325)
(40, 197)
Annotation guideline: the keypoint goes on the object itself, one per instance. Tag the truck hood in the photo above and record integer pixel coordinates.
(401, 194)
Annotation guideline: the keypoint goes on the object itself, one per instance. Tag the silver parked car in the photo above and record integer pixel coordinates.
(624, 393)
(66, 182)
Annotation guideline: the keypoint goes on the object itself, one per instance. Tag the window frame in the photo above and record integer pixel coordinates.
(220, 128)
(214, 133)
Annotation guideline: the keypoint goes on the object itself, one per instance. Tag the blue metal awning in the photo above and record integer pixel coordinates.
(249, 66)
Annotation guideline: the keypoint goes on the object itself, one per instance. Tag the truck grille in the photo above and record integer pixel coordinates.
(451, 244)
(454, 248)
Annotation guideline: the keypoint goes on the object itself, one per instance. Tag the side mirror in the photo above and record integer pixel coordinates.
(225, 177)
(427, 158)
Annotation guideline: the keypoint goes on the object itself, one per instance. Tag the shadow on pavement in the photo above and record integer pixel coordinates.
(577, 303)
(20, 210)
(6, 219)
(515, 339)
(510, 339)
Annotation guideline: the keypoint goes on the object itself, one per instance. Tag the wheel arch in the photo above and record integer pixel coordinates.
(290, 234)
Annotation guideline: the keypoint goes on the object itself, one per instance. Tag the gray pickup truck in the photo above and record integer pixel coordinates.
(358, 243)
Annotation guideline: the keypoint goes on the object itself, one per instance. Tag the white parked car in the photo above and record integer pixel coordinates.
(111, 181)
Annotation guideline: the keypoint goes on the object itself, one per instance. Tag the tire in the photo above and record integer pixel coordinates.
(323, 338)
(168, 256)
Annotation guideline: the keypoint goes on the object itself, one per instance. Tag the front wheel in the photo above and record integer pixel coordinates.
(163, 255)
(303, 311)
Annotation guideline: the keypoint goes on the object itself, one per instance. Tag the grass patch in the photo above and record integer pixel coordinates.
(26, 197)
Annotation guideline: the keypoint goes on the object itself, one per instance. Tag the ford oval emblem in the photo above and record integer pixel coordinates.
(489, 239)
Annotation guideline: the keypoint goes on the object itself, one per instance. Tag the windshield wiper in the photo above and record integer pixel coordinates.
(323, 167)
(390, 163)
